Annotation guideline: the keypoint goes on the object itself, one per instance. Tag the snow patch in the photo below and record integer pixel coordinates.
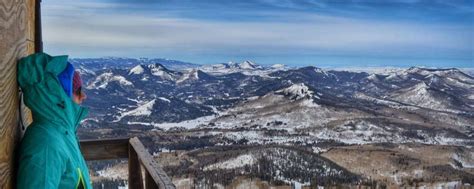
(188, 124)
(143, 110)
(114, 173)
(421, 95)
(191, 75)
(466, 162)
(162, 72)
(297, 91)
(102, 81)
(278, 66)
(237, 162)
(248, 65)
(136, 70)
(164, 99)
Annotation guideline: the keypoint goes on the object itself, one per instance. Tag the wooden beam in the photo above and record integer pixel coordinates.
(137, 156)
(152, 167)
(150, 182)
(104, 149)
(16, 17)
(135, 180)
(38, 29)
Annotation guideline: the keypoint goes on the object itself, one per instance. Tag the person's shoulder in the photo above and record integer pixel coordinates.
(39, 138)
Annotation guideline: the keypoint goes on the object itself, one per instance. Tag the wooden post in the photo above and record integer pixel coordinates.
(134, 170)
(38, 28)
(151, 166)
(149, 182)
(16, 41)
(139, 161)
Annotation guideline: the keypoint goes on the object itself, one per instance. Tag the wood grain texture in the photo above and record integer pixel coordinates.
(135, 178)
(153, 169)
(139, 161)
(104, 149)
(16, 41)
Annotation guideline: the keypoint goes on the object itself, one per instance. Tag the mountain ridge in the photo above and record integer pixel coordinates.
(211, 115)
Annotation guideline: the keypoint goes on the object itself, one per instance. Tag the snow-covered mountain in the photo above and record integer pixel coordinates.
(297, 91)
(207, 93)
(279, 67)
(139, 69)
(194, 75)
(424, 96)
(249, 65)
(103, 80)
(303, 98)
(94, 64)
(162, 72)
(246, 67)
(232, 105)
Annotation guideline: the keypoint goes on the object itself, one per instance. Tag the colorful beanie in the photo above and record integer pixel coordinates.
(66, 77)
(76, 82)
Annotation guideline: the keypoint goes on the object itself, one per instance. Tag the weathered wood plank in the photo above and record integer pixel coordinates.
(152, 167)
(15, 21)
(104, 149)
(135, 180)
(150, 182)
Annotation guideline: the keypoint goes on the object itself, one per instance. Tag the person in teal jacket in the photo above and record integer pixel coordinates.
(49, 153)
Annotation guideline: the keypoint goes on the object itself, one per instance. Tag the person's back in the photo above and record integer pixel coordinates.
(49, 154)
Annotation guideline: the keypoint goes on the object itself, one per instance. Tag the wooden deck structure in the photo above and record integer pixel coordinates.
(143, 170)
(20, 36)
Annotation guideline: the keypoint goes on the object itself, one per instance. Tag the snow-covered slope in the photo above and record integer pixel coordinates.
(103, 80)
(321, 103)
(246, 67)
(194, 75)
(137, 70)
(142, 110)
(279, 67)
(297, 91)
(249, 65)
(422, 95)
(288, 108)
(162, 72)
(239, 161)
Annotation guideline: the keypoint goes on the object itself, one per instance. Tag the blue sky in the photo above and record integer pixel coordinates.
(323, 33)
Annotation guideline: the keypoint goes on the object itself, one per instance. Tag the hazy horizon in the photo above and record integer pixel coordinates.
(335, 67)
(396, 33)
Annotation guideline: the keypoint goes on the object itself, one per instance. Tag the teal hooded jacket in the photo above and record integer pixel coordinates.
(50, 155)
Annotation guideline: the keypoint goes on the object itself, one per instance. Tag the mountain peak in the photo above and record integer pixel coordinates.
(159, 70)
(136, 70)
(373, 77)
(452, 73)
(157, 66)
(278, 66)
(427, 71)
(249, 65)
(103, 80)
(194, 75)
(297, 91)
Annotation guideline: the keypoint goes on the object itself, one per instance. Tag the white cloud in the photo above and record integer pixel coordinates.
(90, 27)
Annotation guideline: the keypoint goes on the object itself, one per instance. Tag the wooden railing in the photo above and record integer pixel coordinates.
(138, 158)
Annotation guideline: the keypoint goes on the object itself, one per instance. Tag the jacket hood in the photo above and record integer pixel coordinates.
(43, 92)
(66, 78)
